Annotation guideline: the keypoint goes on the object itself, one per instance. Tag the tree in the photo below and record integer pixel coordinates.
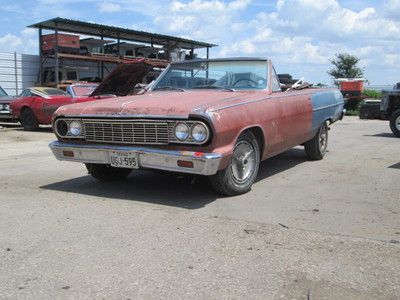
(346, 66)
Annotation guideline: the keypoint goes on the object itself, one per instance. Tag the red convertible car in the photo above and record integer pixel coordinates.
(217, 117)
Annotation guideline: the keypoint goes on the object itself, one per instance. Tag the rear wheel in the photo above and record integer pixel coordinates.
(242, 171)
(316, 147)
(395, 122)
(28, 120)
(106, 172)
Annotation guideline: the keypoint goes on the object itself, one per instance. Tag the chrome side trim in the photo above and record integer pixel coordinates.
(127, 116)
(152, 158)
(328, 106)
(272, 96)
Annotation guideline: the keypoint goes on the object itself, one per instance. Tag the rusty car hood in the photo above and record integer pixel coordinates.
(123, 79)
(162, 103)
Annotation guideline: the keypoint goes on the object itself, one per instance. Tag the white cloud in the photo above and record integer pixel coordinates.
(305, 34)
(246, 47)
(326, 18)
(262, 36)
(201, 19)
(10, 41)
(299, 35)
(392, 9)
(109, 7)
(201, 5)
(26, 42)
(10, 7)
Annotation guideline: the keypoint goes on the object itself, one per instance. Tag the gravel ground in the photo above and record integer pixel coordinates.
(307, 230)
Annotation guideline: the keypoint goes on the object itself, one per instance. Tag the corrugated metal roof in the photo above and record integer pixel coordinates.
(81, 27)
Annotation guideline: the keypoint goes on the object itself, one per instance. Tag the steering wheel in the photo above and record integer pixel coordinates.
(253, 83)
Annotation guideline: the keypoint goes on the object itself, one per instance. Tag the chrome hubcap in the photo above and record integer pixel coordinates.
(323, 139)
(243, 161)
(397, 123)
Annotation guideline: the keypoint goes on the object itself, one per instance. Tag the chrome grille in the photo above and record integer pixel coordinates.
(126, 132)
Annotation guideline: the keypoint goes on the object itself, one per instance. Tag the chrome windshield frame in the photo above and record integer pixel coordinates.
(166, 70)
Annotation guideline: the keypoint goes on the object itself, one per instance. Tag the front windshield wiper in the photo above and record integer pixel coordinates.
(172, 88)
(214, 87)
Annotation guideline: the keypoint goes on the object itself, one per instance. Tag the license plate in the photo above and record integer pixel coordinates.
(124, 160)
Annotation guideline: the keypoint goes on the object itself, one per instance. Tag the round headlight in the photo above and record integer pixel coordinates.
(199, 133)
(7, 107)
(1, 106)
(75, 128)
(62, 128)
(181, 131)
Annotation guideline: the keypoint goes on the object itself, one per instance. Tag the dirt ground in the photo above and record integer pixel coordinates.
(308, 230)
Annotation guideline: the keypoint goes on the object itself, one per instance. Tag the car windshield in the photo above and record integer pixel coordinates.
(53, 92)
(223, 74)
(83, 89)
(2, 92)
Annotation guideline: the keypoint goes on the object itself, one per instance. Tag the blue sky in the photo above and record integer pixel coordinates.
(300, 36)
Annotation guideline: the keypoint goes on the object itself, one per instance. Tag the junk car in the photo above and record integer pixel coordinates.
(219, 118)
(36, 105)
(5, 112)
(81, 89)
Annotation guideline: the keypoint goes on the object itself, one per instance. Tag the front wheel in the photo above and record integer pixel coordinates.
(106, 172)
(28, 120)
(317, 146)
(395, 122)
(242, 170)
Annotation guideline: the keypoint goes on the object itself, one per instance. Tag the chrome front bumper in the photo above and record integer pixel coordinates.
(6, 114)
(151, 158)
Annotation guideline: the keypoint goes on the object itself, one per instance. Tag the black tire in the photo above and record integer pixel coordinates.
(106, 172)
(227, 181)
(317, 146)
(395, 122)
(28, 120)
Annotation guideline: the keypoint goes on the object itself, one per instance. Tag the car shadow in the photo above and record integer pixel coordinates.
(395, 166)
(40, 129)
(18, 127)
(10, 125)
(184, 191)
(383, 134)
(281, 162)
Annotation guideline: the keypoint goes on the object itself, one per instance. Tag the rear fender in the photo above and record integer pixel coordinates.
(327, 107)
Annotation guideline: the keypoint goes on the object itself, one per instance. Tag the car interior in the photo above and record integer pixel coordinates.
(231, 80)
